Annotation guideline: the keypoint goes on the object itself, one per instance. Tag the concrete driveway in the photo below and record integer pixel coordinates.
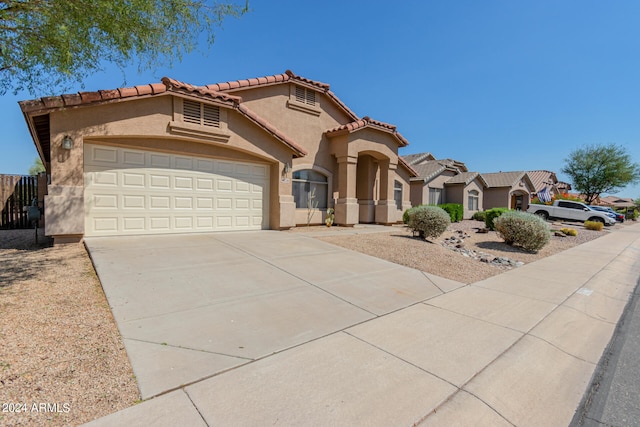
(191, 306)
(286, 330)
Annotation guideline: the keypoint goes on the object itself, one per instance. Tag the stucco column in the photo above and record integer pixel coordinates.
(386, 210)
(347, 208)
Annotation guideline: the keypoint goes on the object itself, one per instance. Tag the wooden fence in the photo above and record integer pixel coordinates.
(16, 193)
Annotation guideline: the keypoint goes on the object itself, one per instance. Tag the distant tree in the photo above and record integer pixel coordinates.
(596, 169)
(36, 167)
(48, 44)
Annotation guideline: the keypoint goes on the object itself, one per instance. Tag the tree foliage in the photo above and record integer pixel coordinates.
(36, 167)
(596, 169)
(46, 44)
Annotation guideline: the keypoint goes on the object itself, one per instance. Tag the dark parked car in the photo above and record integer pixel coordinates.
(613, 214)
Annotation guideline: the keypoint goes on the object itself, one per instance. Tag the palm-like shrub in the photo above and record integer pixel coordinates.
(523, 229)
(428, 221)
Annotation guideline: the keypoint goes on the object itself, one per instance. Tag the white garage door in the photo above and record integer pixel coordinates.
(131, 191)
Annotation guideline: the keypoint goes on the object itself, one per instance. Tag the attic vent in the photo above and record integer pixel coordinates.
(305, 95)
(200, 114)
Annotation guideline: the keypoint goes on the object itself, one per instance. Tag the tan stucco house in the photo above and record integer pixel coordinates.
(445, 181)
(171, 157)
(467, 189)
(507, 190)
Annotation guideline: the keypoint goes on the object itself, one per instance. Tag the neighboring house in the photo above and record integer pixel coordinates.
(171, 157)
(563, 187)
(428, 187)
(542, 179)
(617, 202)
(507, 190)
(467, 189)
(445, 181)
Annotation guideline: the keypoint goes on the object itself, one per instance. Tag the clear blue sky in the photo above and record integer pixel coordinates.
(498, 84)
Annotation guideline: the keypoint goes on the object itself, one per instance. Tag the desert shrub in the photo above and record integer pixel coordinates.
(428, 221)
(569, 231)
(405, 215)
(491, 215)
(593, 225)
(523, 229)
(479, 216)
(455, 211)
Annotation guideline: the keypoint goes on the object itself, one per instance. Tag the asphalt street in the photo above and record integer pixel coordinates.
(613, 399)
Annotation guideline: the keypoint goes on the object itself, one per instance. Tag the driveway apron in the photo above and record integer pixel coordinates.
(195, 305)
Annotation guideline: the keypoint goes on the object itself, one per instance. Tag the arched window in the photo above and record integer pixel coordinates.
(309, 184)
(397, 194)
(473, 202)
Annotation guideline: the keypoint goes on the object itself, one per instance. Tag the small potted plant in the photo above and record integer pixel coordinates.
(330, 217)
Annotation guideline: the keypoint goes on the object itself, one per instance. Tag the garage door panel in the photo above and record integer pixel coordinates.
(159, 182)
(243, 187)
(183, 202)
(130, 179)
(160, 161)
(104, 155)
(133, 201)
(133, 223)
(105, 179)
(135, 192)
(183, 163)
(205, 184)
(159, 202)
(160, 223)
(133, 158)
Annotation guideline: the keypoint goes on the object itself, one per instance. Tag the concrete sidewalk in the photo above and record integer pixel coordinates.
(516, 349)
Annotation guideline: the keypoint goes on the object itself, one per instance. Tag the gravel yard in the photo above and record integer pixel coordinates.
(60, 347)
(401, 247)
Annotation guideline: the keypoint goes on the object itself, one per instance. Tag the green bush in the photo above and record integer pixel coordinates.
(428, 221)
(479, 216)
(569, 231)
(491, 215)
(455, 211)
(593, 225)
(523, 229)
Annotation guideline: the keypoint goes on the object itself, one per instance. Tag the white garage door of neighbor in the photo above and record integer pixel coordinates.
(131, 191)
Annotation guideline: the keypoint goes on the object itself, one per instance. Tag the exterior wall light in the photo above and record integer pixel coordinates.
(67, 142)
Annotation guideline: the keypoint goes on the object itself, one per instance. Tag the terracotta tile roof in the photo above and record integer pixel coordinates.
(287, 76)
(414, 159)
(266, 80)
(167, 85)
(466, 178)
(370, 123)
(179, 86)
(80, 98)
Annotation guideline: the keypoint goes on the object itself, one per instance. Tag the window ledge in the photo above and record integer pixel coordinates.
(305, 108)
(205, 132)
